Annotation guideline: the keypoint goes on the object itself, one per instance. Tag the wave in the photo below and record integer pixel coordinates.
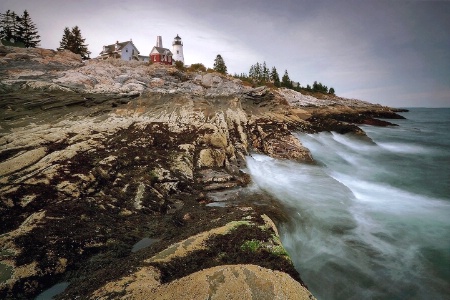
(357, 226)
(406, 148)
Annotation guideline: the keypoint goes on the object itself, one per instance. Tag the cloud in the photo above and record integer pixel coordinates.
(357, 47)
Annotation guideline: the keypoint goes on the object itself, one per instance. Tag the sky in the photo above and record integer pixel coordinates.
(391, 52)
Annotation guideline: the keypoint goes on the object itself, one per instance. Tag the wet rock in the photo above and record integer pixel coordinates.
(231, 281)
(198, 275)
(95, 155)
(275, 140)
(22, 160)
(210, 176)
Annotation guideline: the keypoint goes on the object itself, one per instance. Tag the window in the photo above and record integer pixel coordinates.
(178, 51)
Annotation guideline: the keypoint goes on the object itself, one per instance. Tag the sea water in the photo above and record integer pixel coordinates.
(372, 219)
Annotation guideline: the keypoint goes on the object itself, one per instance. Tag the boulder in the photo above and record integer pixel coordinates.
(211, 158)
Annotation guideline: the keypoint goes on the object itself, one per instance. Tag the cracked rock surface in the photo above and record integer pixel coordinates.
(98, 155)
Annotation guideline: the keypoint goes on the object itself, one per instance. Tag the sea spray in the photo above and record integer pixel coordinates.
(371, 220)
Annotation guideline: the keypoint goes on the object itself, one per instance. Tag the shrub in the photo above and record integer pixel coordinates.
(179, 65)
(197, 67)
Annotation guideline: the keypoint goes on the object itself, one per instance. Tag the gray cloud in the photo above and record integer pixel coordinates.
(392, 52)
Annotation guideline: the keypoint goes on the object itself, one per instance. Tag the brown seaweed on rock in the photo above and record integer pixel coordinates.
(95, 156)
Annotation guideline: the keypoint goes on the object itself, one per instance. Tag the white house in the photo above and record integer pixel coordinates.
(125, 51)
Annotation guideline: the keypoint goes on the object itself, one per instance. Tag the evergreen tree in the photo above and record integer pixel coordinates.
(219, 65)
(251, 72)
(258, 72)
(15, 21)
(9, 24)
(27, 31)
(315, 86)
(265, 73)
(319, 87)
(78, 43)
(275, 77)
(286, 81)
(73, 41)
(5, 26)
(67, 40)
(331, 91)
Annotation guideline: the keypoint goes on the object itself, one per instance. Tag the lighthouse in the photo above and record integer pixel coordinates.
(178, 49)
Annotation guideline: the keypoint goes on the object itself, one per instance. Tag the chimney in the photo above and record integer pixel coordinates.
(159, 41)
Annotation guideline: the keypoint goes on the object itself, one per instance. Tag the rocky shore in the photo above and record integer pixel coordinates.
(99, 157)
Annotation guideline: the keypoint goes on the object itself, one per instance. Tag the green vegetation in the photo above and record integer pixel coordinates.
(280, 251)
(331, 91)
(5, 272)
(251, 246)
(18, 30)
(153, 176)
(197, 67)
(259, 75)
(275, 77)
(286, 81)
(219, 65)
(179, 65)
(73, 41)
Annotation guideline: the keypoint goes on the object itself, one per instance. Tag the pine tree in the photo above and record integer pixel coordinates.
(67, 40)
(251, 72)
(258, 72)
(9, 26)
(331, 91)
(73, 41)
(286, 81)
(265, 72)
(27, 32)
(5, 25)
(315, 86)
(78, 43)
(275, 77)
(15, 21)
(319, 87)
(219, 65)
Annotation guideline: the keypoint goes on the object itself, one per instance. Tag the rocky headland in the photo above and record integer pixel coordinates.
(126, 180)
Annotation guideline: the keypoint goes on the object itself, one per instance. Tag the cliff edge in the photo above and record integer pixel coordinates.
(124, 179)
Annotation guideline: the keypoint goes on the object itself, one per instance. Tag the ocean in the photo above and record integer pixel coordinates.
(371, 220)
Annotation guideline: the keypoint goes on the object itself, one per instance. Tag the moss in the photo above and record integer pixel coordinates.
(153, 176)
(252, 246)
(5, 272)
(244, 244)
(6, 252)
(280, 251)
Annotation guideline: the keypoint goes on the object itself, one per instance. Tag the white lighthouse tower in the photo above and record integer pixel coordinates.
(178, 49)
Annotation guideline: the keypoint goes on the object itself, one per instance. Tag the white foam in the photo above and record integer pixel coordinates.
(405, 148)
(349, 227)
